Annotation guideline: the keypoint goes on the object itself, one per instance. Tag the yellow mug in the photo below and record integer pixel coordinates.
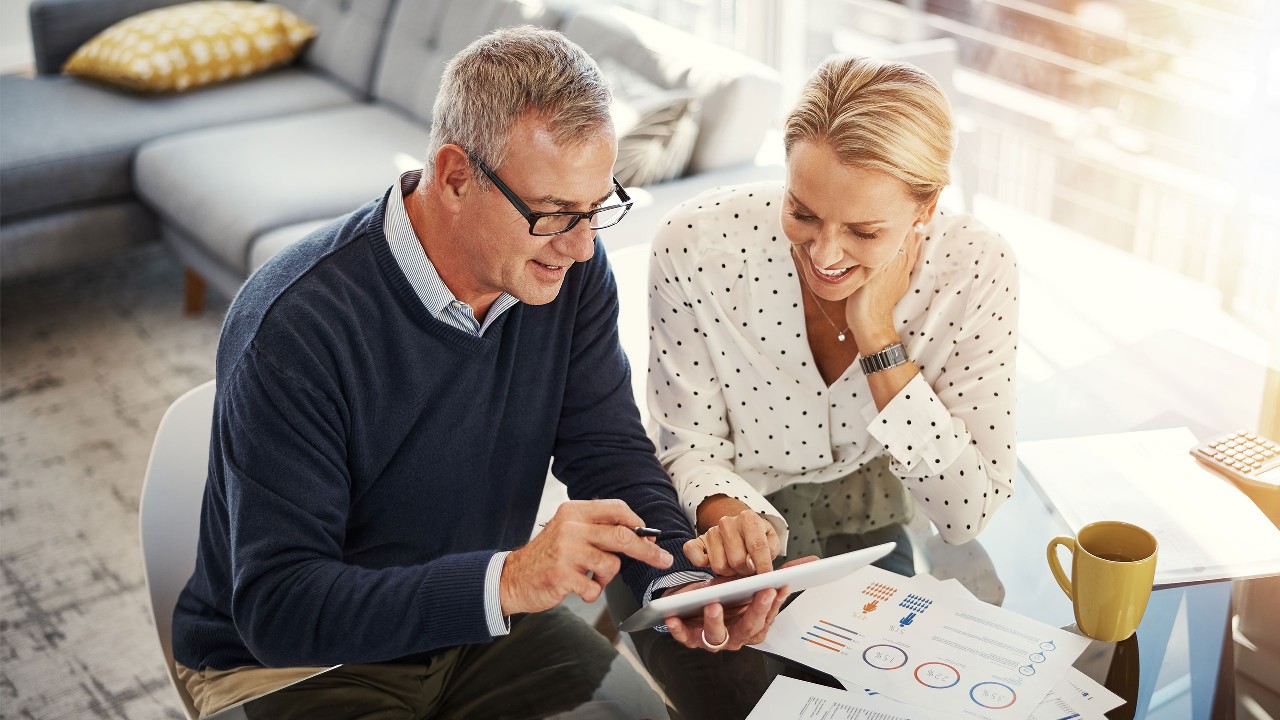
(1113, 565)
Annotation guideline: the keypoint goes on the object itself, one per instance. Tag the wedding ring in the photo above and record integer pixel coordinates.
(712, 646)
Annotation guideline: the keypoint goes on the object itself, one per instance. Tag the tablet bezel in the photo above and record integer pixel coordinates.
(733, 592)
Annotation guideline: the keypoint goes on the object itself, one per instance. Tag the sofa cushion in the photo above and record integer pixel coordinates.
(424, 35)
(224, 187)
(192, 44)
(656, 128)
(64, 142)
(59, 27)
(349, 43)
(739, 95)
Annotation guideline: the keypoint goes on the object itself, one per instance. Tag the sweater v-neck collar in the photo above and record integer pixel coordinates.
(404, 290)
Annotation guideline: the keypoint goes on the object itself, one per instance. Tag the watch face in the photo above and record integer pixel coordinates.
(891, 356)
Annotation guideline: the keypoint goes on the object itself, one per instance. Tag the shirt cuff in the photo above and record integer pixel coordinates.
(695, 488)
(684, 577)
(909, 427)
(498, 625)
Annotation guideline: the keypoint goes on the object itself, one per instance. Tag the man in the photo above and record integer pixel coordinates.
(390, 391)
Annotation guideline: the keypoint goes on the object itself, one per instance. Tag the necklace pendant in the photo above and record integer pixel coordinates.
(840, 337)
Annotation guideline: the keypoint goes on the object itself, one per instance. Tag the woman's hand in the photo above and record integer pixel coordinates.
(737, 542)
(869, 310)
(720, 628)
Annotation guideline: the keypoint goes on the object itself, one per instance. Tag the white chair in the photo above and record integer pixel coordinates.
(169, 513)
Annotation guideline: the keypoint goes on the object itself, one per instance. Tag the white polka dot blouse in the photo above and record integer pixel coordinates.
(739, 407)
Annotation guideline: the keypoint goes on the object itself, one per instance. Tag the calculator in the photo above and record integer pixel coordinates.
(1243, 457)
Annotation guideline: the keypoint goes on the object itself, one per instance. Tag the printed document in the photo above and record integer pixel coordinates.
(790, 699)
(925, 643)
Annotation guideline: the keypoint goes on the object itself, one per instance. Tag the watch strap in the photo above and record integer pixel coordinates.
(892, 356)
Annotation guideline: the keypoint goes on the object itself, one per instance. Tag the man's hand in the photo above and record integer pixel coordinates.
(582, 537)
(741, 543)
(720, 629)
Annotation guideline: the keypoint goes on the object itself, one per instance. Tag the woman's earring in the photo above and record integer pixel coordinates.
(919, 228)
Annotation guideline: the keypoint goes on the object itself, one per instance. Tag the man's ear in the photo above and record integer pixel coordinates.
(453, 178)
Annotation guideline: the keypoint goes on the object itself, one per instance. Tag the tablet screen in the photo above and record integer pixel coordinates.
(798, 577)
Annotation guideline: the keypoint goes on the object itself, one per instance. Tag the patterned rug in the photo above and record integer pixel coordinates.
(89, 361)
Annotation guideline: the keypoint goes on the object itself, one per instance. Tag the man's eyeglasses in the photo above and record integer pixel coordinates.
(554, 223)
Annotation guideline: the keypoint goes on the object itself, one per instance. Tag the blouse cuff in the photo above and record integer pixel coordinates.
(707, 484)
(917, 430)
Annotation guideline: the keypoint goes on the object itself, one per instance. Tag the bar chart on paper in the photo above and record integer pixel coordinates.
(925, 642)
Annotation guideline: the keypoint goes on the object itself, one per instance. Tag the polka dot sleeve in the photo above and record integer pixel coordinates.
(685, 395)
(952, 441)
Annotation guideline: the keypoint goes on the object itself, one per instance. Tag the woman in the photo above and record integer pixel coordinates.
(830, 354)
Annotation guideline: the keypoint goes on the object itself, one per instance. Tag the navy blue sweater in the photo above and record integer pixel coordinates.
(367, 460)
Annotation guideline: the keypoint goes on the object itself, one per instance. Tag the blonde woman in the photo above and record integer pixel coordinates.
(831, 354)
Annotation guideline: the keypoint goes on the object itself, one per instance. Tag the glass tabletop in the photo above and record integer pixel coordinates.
(1180, 659)
(1177, 648)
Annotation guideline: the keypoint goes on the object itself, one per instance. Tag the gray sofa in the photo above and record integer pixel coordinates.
(230, 174)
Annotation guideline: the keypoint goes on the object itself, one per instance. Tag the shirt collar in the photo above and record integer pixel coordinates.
(417, 267)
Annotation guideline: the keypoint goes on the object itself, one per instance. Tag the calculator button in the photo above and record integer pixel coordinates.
(1246, 470)
(1219, 456)
(1252, 436)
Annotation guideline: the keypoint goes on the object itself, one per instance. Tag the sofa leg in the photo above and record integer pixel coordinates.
(195, 291)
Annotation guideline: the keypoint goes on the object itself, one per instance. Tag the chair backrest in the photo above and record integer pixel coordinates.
(169, 513)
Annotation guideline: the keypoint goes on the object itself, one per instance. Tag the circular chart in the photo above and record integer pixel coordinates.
(992, 695)
(885, 657)
(937, 675)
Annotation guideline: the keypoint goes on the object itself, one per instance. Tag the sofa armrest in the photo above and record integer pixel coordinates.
(59, 27)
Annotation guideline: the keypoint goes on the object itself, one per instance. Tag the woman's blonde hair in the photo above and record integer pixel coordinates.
(881, 116)
(491, 83)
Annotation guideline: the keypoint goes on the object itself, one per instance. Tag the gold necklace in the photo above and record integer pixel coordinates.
(840, 334)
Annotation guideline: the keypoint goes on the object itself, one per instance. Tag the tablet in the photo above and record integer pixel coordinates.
(734, 592)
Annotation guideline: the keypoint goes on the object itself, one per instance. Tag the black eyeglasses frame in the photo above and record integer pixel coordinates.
(533, 217)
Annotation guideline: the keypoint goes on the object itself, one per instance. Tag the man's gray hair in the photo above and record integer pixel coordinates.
(488, 86)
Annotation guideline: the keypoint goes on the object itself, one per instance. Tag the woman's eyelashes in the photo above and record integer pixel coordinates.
(806, 218)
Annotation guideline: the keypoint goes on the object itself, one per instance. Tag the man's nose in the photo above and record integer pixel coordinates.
(578, 243)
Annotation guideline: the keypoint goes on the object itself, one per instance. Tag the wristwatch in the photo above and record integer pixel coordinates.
(892, 356)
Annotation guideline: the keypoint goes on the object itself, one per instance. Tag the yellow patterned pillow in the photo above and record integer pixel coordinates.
(185, 46)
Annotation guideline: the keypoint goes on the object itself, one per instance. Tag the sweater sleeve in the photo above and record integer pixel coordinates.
(294, 600)
(601, 447)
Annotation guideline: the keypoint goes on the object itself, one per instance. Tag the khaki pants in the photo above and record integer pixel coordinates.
(551, 665)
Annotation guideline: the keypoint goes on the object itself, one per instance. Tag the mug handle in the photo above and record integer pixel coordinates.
(1056, 566)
